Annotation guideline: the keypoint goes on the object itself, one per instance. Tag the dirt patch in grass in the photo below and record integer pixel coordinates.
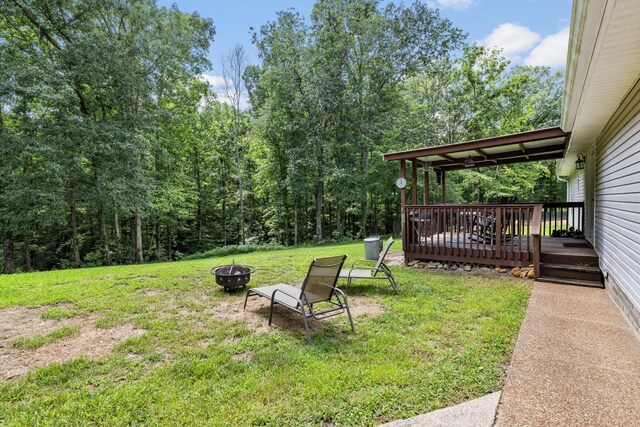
(394, 258)
(364, 306)
(244, 357)
(256, 315)
(153, 292)
(27, 323)
(142, 277)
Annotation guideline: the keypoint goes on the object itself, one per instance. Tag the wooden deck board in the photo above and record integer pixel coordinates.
(550, 245)
(554, 245)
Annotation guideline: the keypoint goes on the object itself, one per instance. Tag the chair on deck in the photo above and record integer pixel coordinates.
(318, 287)
(484, 230)
(379, 271)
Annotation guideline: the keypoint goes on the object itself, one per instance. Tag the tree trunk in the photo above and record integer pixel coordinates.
(224, 221)
(236, 133)
(116, 227)
(330, 220)
(8, 252)
(296, 237)
(158, 245)
(138, 238)
(374, 205)
(27, 252)
(240, 181)
(199, 212)
(106, 256)
(319, 197)
(169, 248)
(74, 237)
(364, 204)
(363, 217)
(118, 234)
(104, 238)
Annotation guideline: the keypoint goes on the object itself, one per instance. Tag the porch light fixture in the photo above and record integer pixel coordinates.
(426, 165)
(580, 162)
(469, 163)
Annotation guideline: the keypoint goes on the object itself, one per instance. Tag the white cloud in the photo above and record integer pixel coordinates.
(214, 81)
(552, 50)
(512, 39)
(456, 4)
(218, 85)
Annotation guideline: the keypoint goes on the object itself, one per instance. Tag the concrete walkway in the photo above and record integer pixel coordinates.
(474, 413)
(576, 363)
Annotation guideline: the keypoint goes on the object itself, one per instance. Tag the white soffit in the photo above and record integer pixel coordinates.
(603, 65)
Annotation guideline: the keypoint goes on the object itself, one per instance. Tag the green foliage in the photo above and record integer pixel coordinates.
(56, 313)
(42, 340)
(446, 338)
(478, 96)
(324, 96)
(114, 149)
(234, 250)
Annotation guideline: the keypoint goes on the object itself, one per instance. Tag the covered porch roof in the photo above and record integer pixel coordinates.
(530, 146)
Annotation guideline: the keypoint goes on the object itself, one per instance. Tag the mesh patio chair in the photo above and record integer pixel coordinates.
(319, 287)
(378, 271)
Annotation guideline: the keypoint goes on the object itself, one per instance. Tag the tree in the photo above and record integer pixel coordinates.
(234, 65)
(343, 73)
(114, 149)
(93, 111)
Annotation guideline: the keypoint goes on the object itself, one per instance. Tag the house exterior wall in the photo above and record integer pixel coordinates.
(575, 187)
(589, 194)
(616, 204)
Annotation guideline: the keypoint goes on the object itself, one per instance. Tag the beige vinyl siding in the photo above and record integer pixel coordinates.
(617, 197)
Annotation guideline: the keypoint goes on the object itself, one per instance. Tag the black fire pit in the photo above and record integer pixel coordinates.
(232, 276)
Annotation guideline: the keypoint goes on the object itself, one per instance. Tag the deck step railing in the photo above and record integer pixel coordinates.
(482, 234)
(562, 216)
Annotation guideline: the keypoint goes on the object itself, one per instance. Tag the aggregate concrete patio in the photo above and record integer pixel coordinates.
(576, 363)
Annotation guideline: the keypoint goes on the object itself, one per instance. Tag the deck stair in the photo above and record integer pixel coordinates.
(571, 269)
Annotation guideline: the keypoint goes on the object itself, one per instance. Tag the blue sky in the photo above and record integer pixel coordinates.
(532, 32)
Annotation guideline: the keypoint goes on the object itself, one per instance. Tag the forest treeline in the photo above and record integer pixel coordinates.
(114, 148)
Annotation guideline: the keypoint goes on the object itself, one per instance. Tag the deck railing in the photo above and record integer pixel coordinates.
(562, 216)
(483, 234)
(536, 231)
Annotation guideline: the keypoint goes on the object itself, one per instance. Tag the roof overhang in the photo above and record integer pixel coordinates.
(531, 146)
(602, 66)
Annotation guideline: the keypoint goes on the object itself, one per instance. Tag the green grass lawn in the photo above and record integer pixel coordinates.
(445, 338)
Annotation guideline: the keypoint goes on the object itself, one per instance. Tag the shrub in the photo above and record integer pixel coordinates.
(235, 250)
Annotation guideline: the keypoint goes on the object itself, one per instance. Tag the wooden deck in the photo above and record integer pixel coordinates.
(555, 246)
(550, 245)
(481, 234)
(515, 235)
(569, 265)
(558, 263)
(452, 245)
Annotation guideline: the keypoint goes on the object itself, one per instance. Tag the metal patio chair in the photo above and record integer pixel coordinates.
(379, 271)
(318, 287)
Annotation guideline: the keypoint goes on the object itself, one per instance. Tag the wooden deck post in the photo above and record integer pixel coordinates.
(537, 241)
(426, 186)
(498, 231)
(443, 218)
(414, 182)
(403, 202)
